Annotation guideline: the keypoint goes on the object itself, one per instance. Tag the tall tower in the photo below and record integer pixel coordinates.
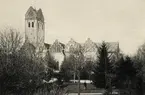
(34, 27)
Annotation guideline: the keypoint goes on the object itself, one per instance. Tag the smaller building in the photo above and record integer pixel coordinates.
(90, 50)
(72, 47)
(57, 51)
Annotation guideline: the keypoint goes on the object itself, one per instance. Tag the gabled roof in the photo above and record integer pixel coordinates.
(31, 13)
(56, 42)
(34, 14)
(73, 45)
(89, 46)
(40, 15)
(57, 47)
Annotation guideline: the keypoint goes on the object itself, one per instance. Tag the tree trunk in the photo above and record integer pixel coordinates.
(142, 86)
(78, 82)
(74, 76)
(128, 85)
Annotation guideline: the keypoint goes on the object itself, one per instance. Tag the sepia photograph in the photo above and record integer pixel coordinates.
(72, 47)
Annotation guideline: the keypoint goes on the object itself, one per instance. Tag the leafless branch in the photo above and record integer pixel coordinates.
(10, 40)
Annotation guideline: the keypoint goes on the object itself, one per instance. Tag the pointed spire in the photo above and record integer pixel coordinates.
(31, 13)
(40, 15)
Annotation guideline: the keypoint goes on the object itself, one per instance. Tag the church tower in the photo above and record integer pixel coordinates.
(34, 27)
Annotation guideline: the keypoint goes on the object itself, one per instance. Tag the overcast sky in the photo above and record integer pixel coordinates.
(109, 20)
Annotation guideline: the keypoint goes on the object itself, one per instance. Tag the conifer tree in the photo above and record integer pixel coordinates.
(126, 71)
(102, 67)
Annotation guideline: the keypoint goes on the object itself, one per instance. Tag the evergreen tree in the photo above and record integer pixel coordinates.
(126, 71)
(117, 82)
(102, 66)
(139, 65)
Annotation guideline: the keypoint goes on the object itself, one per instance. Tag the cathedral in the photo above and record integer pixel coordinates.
(35, 36)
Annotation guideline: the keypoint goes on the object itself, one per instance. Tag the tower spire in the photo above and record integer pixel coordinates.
(34, 26)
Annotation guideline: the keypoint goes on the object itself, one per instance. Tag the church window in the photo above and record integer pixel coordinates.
(32, 24)
(29, 24)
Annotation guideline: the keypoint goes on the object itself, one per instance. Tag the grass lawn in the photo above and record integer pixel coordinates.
(73, 88)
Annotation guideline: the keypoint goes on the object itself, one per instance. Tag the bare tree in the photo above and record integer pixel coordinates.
(139, 60)
(19, 72)
(10, 40)
(79, 64)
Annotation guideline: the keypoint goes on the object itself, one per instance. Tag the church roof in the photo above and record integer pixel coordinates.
(40, 15)
(89, 46)
(72, 46)
(56, 42)
(32, 13)
(57, 47)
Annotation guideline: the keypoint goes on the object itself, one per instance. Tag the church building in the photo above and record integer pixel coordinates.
(35, 36)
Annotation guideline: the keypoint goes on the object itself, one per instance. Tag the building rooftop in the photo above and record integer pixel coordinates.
(32, 13)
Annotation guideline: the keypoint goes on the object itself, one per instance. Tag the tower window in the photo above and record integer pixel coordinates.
(29, 24)
(32, 24)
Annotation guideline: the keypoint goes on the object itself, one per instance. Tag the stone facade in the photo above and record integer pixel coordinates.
(34, 26)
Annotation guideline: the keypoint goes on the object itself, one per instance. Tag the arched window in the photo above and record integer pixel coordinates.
(32, 24)
(29, 24)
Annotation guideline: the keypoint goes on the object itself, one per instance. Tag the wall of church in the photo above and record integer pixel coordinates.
(31, 31)
(35, 34)
(40, 34)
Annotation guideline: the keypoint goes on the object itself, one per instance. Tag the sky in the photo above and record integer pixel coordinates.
(120, 21)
